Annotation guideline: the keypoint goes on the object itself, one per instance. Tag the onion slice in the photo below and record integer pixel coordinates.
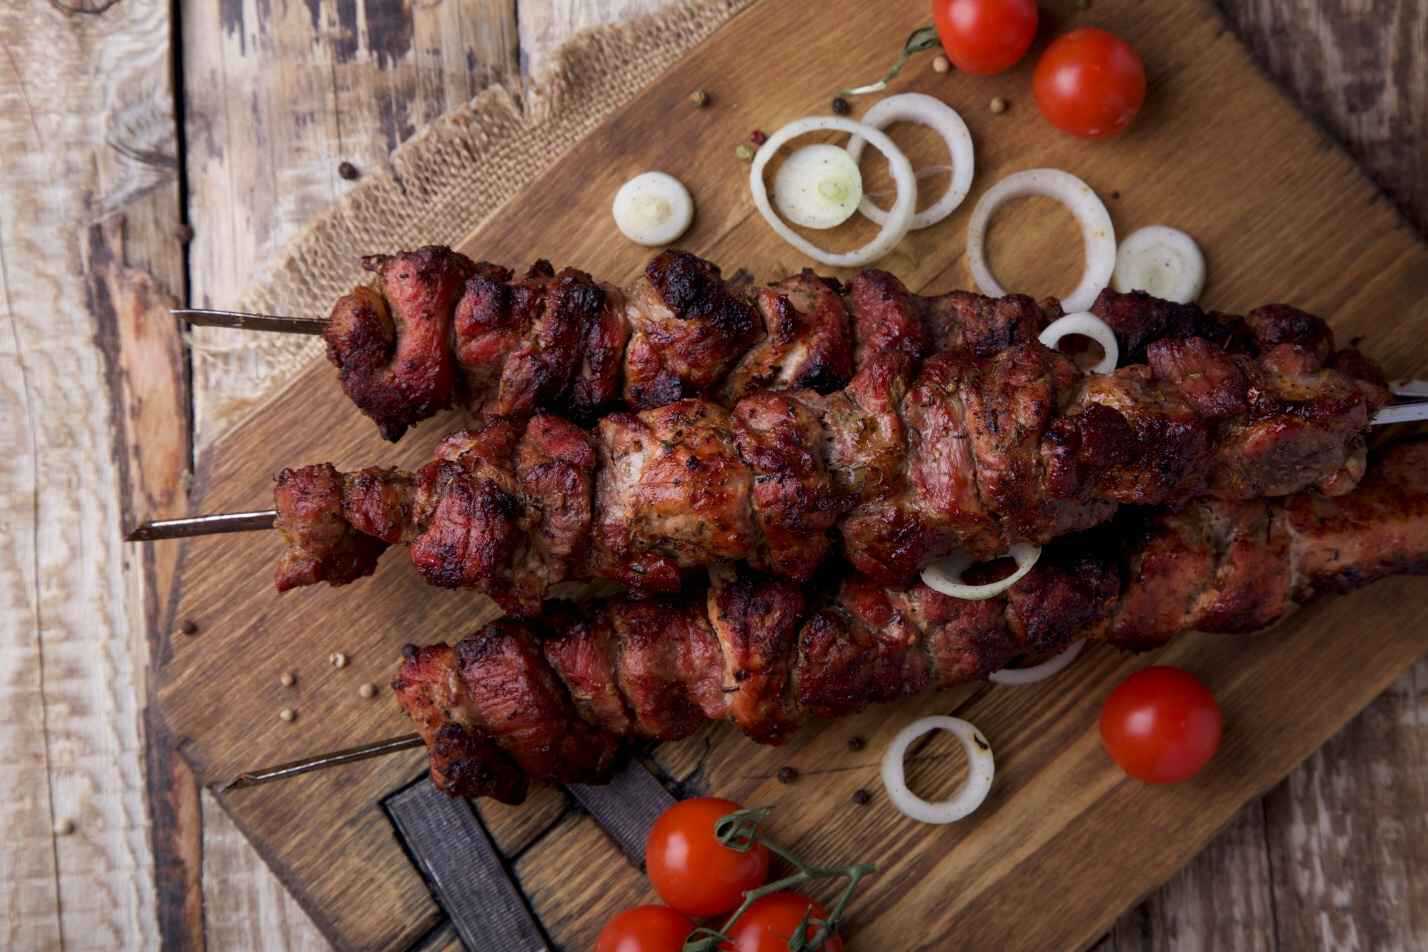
(1076, 195)
(981, 768)
(819, 186)
(945, 575)
(1039, 672)
(1088, 325)
(653, 209)
(899, 218)
(1162, 261)
(946, 122)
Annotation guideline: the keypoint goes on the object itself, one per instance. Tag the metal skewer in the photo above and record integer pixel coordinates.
(210, 317)
(351, 755)
(204, 525)
(1413, 409)
(1412, 405)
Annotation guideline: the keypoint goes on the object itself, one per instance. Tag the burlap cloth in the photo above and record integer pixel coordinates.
(445, 181)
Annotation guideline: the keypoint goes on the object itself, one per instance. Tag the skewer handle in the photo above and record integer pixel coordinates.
(204, 525)
(349, 756)
(1414, 405)
(210, 317)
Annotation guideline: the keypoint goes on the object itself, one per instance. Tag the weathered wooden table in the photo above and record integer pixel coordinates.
(153, 151)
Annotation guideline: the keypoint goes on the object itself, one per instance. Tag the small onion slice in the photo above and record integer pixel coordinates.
(1162, 261)
(1039, 672)
(1088, 325)
(1076, 195)
(899, 218)
(946, 122)
(653, 209)
(945, 575)
(819, 186)
(981, 768)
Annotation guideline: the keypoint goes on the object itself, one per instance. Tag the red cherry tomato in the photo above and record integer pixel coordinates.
(645, 929)
(1089, 83)
(1161, 725)
(769, 923)
(985, 36)
(688, 866)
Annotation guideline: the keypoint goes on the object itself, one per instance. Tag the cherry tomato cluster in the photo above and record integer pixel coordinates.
(698, 876)
(1088, 82)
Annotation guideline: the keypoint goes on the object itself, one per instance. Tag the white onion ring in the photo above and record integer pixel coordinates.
(1163, 261)
(1089, 325)
(981, 768)
(1039, 672)
(945, 575)
(1076, 195)
(946, 122)
(899, 218)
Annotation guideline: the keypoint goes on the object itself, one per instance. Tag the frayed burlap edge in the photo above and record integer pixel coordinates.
(449, 178)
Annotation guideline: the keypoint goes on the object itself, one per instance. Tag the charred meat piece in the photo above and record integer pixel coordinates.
(768, 655)
(322, 545)
(392, 347)
(687, 329)
(807, 341)
(903, 466)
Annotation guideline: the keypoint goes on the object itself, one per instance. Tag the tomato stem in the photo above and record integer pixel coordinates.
(740, 831)
(923, 38)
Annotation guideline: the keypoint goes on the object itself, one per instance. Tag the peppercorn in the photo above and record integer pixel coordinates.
(759, 137)
(700, 98)
(787, 774)
(840, 106)
(347, 170)
(1116, 195)
(856, 744)
(861, 797)
(998, 105)
(744, 152)
(189, 627)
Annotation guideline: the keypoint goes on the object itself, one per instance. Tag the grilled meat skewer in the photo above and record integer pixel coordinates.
(552, 700)
(438, 330)
(911, 461)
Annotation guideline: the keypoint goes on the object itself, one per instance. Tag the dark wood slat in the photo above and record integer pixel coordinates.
(465, 870)
(626, 807)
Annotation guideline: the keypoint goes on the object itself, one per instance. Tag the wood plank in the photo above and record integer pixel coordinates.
(91, 196)
(459, 859)
(546, 24)
(278, 96)
(574, 899)
(626, 807)
(145, 371)
(1364, 77)
(1279, 213)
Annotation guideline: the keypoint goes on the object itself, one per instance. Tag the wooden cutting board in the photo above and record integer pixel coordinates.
(1065, 842)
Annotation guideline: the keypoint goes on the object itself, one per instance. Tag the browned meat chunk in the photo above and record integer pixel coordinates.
(807, 342)
(392, 348)
(687, 330)
(322, 546)
(768, 655)
(672, 493)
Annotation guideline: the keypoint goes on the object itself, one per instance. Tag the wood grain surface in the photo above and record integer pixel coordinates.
(94, 134)
(1266, 238)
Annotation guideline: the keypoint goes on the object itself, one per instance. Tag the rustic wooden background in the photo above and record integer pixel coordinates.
(153, 151)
